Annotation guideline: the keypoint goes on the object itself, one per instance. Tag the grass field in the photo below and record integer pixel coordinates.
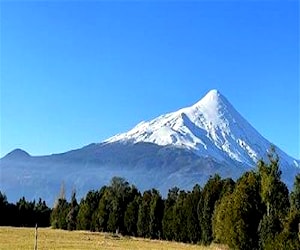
(23, 238)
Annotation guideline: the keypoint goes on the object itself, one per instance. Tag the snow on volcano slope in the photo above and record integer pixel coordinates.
(176, 149)
(211, 127)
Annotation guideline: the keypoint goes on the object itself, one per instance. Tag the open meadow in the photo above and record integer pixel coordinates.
(23, 238)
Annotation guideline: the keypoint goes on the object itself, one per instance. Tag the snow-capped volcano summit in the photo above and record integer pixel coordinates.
(211, 127)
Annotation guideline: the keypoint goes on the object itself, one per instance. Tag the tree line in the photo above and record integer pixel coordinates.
(255, 212)
(24, 213)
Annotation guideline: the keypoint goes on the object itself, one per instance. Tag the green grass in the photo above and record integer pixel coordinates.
(23, 238)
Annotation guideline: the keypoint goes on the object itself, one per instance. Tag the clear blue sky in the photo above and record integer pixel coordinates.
(73, 73)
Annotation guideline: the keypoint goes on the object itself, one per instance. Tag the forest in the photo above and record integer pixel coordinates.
(257, 211)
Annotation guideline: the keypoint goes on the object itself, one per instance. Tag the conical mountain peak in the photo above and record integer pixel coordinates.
(211, 127)
(212, 95)
(213, 108)
(213, 99)
(205, 123)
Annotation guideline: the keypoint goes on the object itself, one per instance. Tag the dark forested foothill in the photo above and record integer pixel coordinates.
(255, 212)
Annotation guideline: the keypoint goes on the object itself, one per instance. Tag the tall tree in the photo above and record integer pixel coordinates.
(275, 197)
(168, 217)
(274, 192)
(118, 190)
(72, 213)
(144, 215)
(237, 216)
(180, 218)
(26, 212)
(42, 213)
(131, 216)
(193, 224)
(103, 211)
(270, 226)
(156, 215)
(278, 233)
(4, 215)
(210, 195)
(88, 209)
(60, 210)
(295, 194)
(59, 214)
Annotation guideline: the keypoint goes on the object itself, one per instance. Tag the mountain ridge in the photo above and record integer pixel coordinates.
(211, 123)
(180, 149)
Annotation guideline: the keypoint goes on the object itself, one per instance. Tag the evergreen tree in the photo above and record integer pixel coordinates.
(295, 195)
(84, 216)
(144, 215)
(284, 233)
(72, 213)
(42, 213)
(156, 215)
(284, 240)
(274, 192)
(58, 218)
(59, 214)
(23, 213)
(131, 217)
(270, 226)
(228, 186)
(237, 215)
(118, 191)
(103, 212)
(88, 209)
(26, 216)
(180, 218)
(168, 217)
(210, 195)
(222, 224)
(193, 224)
(4, 214)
